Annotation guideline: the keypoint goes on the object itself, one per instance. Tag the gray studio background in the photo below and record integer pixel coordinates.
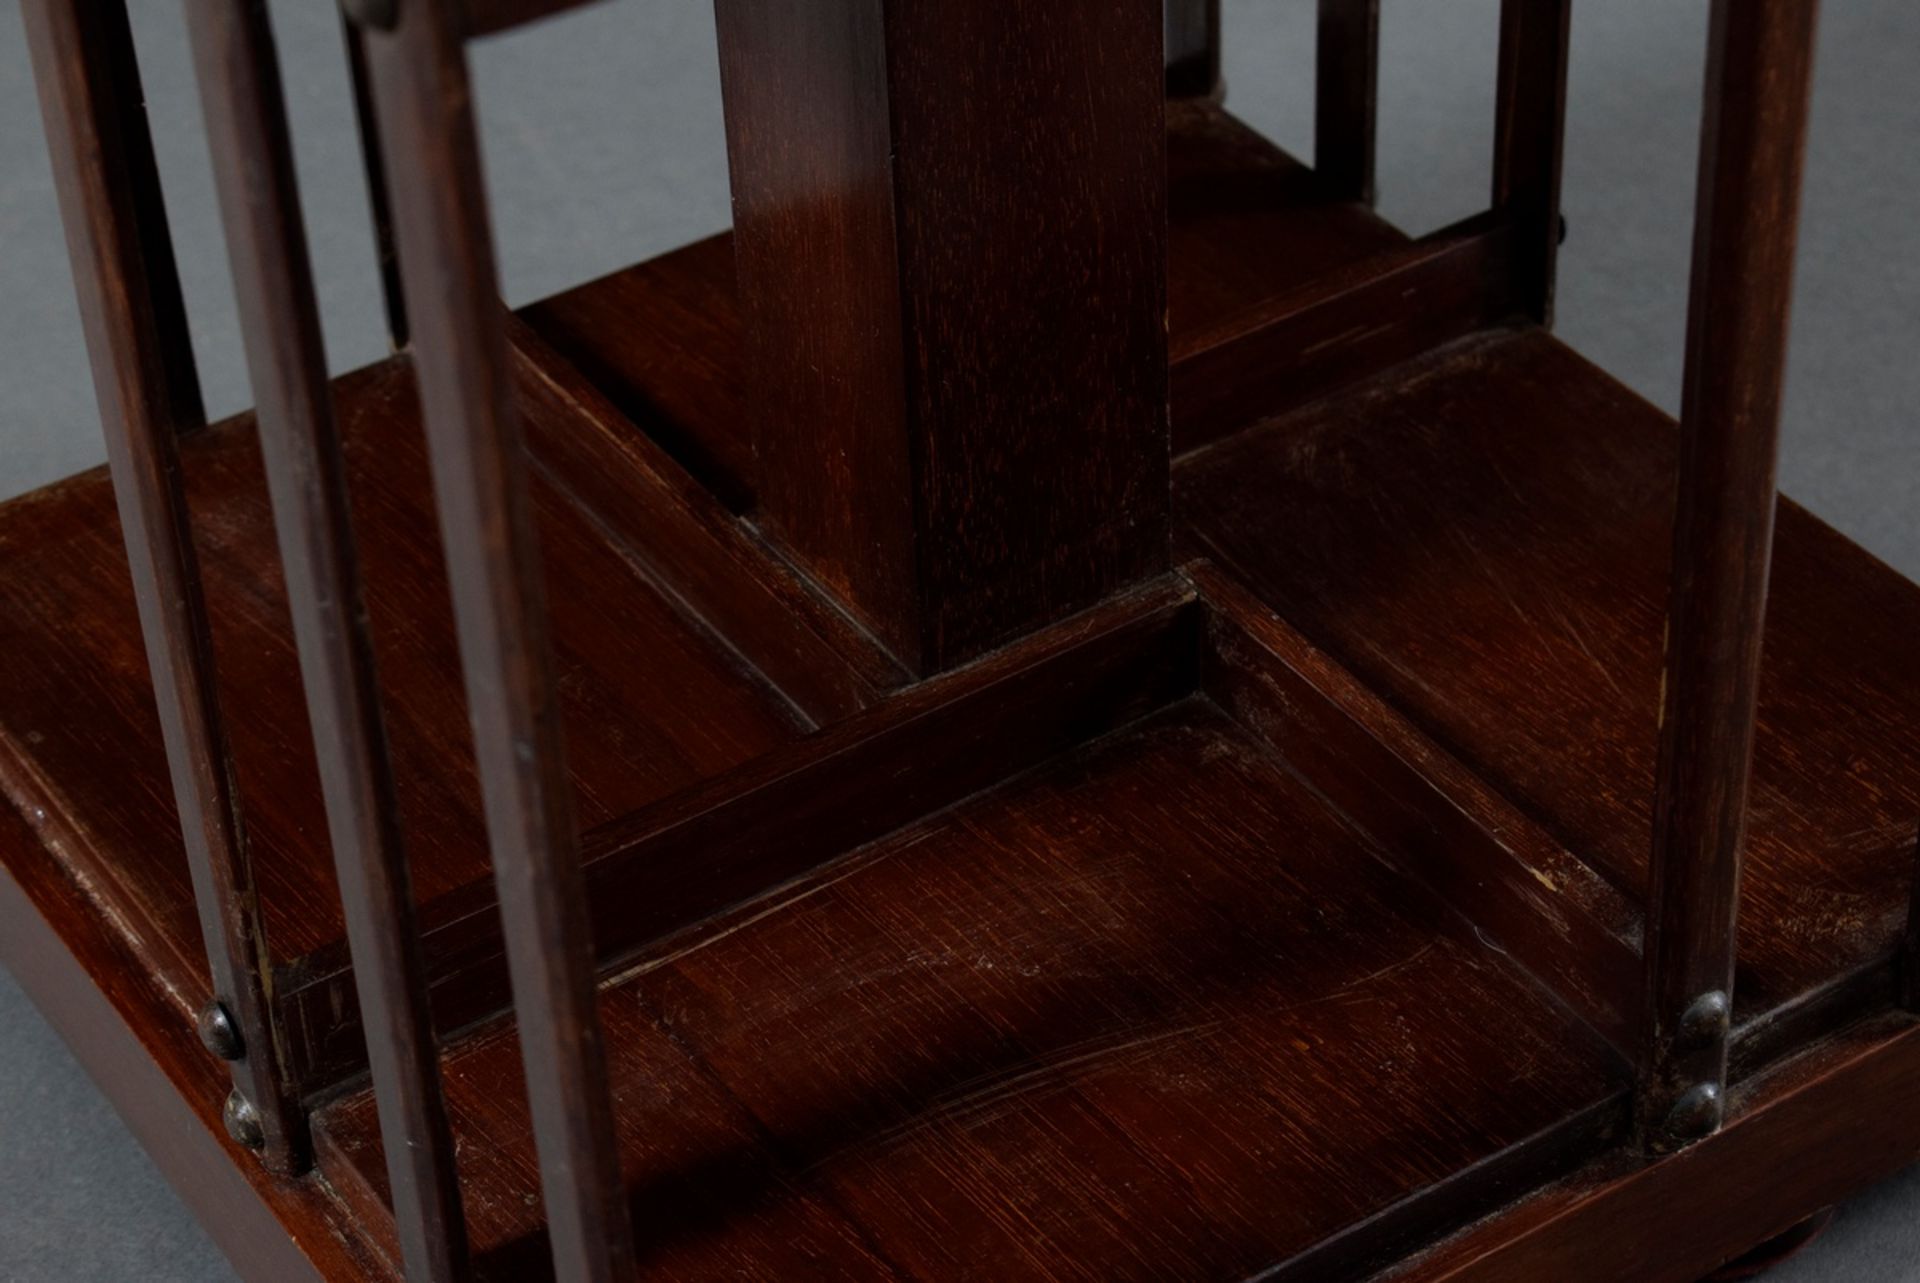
(604, 145)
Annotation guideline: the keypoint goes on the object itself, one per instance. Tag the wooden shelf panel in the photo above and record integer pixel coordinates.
(1484, 538)
(79, 740)
(1248, 224)
(1152, 1009)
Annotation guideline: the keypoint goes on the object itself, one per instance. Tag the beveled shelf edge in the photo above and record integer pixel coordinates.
(129, 1033)
(1763, 1031)
(733, 838)
(1373, 298)
(1808, 1132)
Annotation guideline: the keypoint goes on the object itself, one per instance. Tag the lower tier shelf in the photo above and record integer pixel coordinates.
(1483, 537)
(80, 744)
(1281, 914)
(1152, 1011)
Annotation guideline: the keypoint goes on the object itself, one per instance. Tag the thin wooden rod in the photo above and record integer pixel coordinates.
(422, 103)
(95, 133)
(1193, 48)
(379, 206)
(1347, 96)
(1759, 70)
(149, 215)
(245, 111)
(1909, 965)
(1530, 108)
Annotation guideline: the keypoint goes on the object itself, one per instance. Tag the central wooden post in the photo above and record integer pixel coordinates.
(950, 230)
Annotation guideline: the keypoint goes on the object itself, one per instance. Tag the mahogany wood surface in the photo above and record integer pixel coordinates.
(134, 1033)
(469, 391)
(239, 73)
(926, 279)
(671, 865)
(1746, 222)
(1153, 1009)
(636, 732)
(1801, 1137)
(661, 340)
(1528, 895)
(1483, 538)
(1281, 916)
(1255, 246)
(104, 176)
(717, 568)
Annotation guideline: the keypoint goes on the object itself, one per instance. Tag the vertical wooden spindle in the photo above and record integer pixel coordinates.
(259, 196)
(1347, 96)
(129, 302)
(103, 173)
(379, 206)
(422, 103)
(1909, 964)
(1530, 109)
(1193, 48)
(147, 212)
(1759, 68)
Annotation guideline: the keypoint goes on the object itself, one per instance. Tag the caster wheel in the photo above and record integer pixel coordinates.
(1760, 1259)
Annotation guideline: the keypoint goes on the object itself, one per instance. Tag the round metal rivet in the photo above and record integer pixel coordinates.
(1705, 1020)
(218, 1033)
(243, 1122)
(380, 15)
(1697, 1113)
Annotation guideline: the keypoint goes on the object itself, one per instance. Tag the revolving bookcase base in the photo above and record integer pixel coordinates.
(1280, 916)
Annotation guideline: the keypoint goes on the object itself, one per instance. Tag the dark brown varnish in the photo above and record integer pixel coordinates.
(1113, 703)
(948, 313)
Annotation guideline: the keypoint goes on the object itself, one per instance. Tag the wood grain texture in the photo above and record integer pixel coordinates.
(422, 101)
(133, 1033)
(1531, 897)
(83, 63)
(662, 341)
(1110, 1020)
(1802, 1137)
(1753, 134)
(1274, 918)
(927, 279)
(1483, 539)
(1279, 290)
(635, 733)
(1247, 224)
(238, 70)
(1342, 326)
(711, 563)
(668, 866)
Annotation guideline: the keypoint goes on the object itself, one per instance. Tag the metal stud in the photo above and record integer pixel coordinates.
(1697, 1113)
(243, 1122)
(377, 15)
(1705, 1021)
(218, 1033)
